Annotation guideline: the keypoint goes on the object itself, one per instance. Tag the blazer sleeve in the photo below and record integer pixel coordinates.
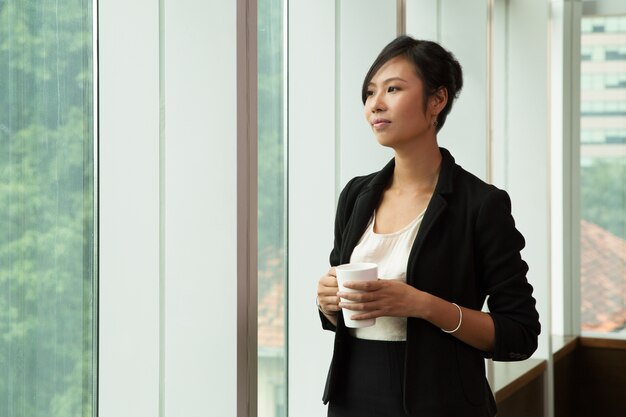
(344, 209)
(503, 274)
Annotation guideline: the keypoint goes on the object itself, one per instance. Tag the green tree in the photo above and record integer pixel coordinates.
(271, 206)
(603, 194)
(46, 208)
(271, 145)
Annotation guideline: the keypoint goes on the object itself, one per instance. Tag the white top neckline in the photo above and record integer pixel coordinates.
(409, 226)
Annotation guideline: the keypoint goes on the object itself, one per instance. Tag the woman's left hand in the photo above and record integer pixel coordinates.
(390, 298)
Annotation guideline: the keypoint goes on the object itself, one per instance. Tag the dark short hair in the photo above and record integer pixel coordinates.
(434, 65)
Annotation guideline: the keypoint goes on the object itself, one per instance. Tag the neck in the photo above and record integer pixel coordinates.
(417, 167)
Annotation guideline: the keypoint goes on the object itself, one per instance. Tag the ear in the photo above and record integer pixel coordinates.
(438, 100)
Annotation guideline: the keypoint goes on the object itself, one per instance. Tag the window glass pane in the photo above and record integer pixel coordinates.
(47, 297)
(603, 176)
(272, 358)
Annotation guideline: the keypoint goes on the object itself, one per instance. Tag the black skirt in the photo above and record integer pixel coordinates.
(372, 383)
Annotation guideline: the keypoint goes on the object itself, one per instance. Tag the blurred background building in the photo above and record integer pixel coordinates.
(603, 173)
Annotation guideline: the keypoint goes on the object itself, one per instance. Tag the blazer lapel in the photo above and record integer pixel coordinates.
(363, 209)
(434, 210)
(366, 202)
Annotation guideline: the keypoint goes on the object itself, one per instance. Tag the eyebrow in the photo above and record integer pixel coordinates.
(388, 80)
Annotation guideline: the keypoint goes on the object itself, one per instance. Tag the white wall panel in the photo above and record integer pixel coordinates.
(565, 157)
(529, 146)
(526, 152)
(128, 371)
(422, 19)
(464, 33)
(559, 129)
(200, 208)
(311, 196)
(461, 27)
(168, 208)
(365, 27)
(499, 82)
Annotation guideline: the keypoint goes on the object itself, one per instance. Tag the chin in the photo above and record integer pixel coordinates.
(387, 141)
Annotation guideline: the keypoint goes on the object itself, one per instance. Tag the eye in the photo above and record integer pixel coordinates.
(369, 93)
(392, 89)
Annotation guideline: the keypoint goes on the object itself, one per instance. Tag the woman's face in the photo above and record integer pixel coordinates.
(394, 106)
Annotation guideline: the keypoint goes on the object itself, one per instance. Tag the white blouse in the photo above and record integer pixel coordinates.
(391, 252)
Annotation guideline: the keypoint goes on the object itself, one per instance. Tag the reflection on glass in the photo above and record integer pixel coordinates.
(603, 174)
(46, 209)
(272, 357)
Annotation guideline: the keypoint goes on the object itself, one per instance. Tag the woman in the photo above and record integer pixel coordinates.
(443, 240)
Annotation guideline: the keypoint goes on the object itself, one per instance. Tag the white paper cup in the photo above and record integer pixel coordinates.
(355, 272)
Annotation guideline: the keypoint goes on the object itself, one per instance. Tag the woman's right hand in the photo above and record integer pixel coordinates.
(327, 293)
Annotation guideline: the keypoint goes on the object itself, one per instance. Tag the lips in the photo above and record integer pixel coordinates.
(380, 123)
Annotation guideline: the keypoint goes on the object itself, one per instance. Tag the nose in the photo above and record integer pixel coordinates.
(376, 103)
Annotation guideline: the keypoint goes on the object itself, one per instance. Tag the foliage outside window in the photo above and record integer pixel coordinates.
(272, 350)
(46, 209)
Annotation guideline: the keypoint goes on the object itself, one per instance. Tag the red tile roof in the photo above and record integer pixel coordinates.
(271, 315)
(602, 279)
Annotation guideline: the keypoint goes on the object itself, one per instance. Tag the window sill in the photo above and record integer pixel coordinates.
(563, 346)
(615, 342)
(510, 377)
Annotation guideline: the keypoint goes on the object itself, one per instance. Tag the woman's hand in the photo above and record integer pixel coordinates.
(327, 293)
(397, 299)
(390, 298)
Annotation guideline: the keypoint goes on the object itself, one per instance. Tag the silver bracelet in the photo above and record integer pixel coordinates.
(458, 326)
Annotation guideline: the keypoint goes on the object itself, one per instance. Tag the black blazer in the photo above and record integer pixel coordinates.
(467, 248)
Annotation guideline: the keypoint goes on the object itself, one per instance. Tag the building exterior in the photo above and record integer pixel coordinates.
(603, 173)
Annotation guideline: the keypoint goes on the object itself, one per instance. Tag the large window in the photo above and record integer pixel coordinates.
(272, 357)
(603, 174)
(47, 272)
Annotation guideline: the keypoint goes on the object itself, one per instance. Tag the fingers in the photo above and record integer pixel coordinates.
(367, 310)
(328, 281)
(366, 285)
(369, 299)
(327, 286)
(368, 315)
(359, 297)
(356, 306)
(368, 292)
(329, 303)
(362, 311)
(328, 300)
(327, 292)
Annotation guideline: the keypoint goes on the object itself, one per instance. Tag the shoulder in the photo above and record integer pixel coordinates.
(487, 208)
(468, 187)
(459, 185)
(476, 201)
(354, 187)
(349, 195)
(361, 184)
